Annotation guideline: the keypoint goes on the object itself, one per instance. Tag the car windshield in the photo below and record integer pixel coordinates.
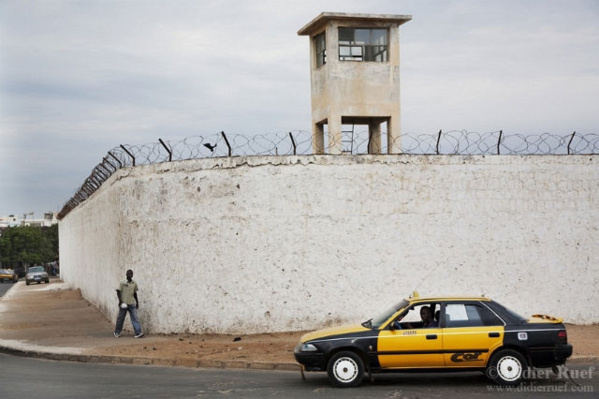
(383, 317)
(36, 269)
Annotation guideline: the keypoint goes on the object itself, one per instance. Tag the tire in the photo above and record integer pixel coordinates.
(345, 369)
(507, 367)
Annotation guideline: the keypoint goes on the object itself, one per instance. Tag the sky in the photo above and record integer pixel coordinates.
(78, 78)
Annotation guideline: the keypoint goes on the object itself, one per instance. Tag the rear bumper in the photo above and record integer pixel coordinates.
(547, 357)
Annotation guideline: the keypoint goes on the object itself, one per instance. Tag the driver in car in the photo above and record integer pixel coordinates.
(428, 321)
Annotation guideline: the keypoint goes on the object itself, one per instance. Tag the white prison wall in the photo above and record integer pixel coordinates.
(267, 244)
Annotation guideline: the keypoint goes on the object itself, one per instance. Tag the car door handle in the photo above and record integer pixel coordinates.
(493, 335)
(431, 336)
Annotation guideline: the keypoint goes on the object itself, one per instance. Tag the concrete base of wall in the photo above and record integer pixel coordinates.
(265, 244)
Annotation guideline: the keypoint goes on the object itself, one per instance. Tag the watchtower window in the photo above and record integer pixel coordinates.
(358, 44)
(321, 49)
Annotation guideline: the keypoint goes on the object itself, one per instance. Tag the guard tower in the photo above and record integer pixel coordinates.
(354, 74)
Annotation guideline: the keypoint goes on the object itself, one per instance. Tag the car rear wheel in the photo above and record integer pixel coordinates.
(345, 369)
(507, 367)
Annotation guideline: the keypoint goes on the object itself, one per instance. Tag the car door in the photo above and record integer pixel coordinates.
(407, 344)
(471, 333)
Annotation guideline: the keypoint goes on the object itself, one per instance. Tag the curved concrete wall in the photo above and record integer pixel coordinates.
(264, 244)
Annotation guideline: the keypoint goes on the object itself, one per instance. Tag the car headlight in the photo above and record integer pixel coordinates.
(308, 348)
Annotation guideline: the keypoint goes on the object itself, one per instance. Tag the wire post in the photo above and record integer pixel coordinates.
(104, 168)
(499, 142)
(570, 142)
(91, 183)
(100, 172)
(95, 179)
(170, 153)
(87, 190)
(80, 197)
(438, 140)
(293, 143)
(128, 153)
(116, 159)
(227, 142)
(108, 162)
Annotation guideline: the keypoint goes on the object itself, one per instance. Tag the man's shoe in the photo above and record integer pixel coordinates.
(139, 335)
(116, 335)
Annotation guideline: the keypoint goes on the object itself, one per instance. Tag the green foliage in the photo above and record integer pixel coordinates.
(28, 245)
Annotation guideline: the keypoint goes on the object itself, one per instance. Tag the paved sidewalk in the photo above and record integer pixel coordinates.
(54, 322)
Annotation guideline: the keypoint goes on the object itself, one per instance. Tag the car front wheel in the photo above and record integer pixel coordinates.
(345, 369)
(506, 367)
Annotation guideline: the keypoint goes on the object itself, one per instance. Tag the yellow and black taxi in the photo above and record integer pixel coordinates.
(8, 275)
(437, 333)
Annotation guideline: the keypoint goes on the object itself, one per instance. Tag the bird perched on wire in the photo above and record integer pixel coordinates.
(210, 146)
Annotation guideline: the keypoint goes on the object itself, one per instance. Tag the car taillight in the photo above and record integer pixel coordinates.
(562, 336)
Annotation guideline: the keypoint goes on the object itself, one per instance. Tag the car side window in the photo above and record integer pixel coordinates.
(469, 315)
(413, 317)
(488, 318)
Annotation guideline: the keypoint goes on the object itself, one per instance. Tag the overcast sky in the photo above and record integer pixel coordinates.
(78, 78)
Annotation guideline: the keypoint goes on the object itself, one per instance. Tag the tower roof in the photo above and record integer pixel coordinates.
(323, 18)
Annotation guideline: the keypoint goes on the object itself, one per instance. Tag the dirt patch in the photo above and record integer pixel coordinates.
(276, 348)
(584, 339)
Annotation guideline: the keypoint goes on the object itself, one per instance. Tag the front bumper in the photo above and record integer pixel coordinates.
(37, 279)
(312, 361)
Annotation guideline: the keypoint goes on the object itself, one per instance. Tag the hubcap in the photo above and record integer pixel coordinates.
(345, 369)
(509, 368)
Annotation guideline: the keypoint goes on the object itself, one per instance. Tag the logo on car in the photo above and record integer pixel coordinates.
(465, 357)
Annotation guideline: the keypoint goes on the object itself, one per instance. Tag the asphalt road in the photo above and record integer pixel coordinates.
(5, 286)
(33, 378)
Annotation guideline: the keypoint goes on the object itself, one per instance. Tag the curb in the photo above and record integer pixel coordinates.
(582, 359)
(147, 361)
(200, 363)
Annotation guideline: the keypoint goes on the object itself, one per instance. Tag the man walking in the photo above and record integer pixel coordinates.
(128, 302)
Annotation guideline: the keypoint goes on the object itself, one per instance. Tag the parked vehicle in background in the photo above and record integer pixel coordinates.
(8, 275)
(36, 274)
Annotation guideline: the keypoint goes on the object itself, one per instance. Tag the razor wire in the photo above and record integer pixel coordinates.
(299, 142)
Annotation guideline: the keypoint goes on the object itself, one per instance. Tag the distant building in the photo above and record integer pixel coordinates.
(28, 219)
(9, 221)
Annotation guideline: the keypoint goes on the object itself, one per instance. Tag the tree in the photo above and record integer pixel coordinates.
(29, 245)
